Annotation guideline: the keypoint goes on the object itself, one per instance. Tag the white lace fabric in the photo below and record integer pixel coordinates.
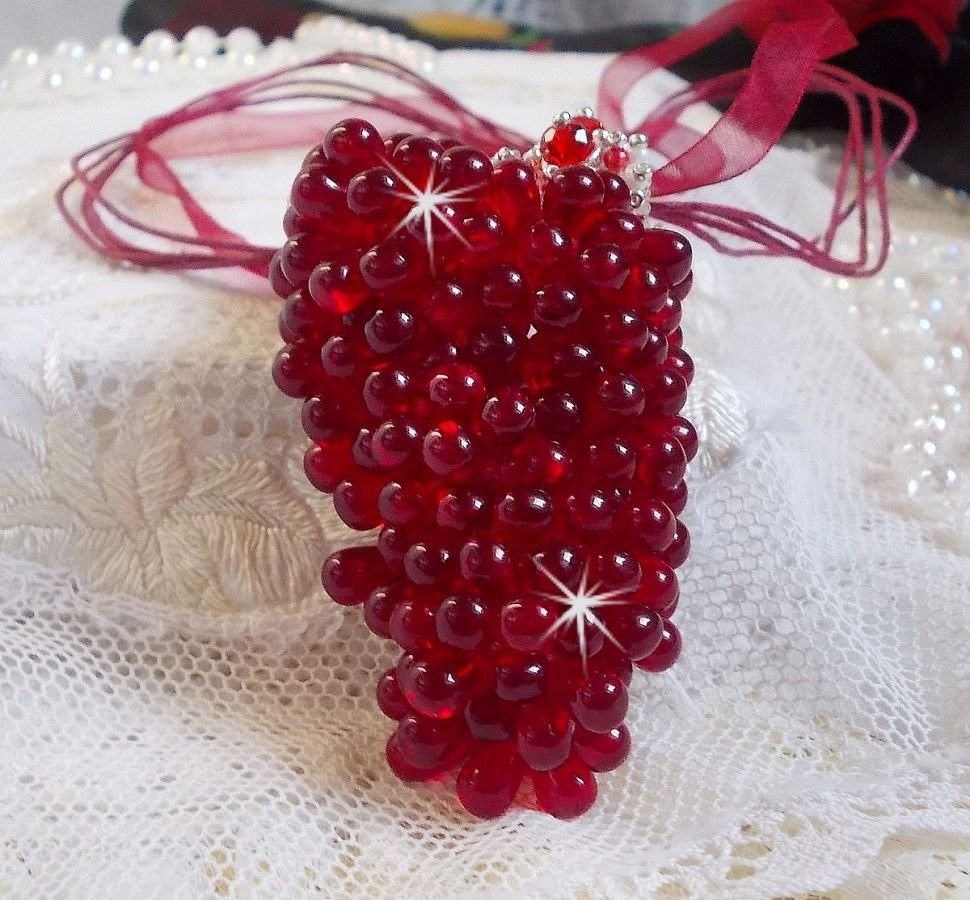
(183, 714)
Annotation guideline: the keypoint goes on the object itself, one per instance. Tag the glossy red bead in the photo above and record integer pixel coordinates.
(488, 782)
(601, 703)
(461, 621)
(666, 653)
(602, 752)
(350, 575)
(390, 698)
(566, 792)
(544, 734)
(528, 624)
(569, 143)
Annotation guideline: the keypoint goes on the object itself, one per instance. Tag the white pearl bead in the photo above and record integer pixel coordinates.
(70, 50)
(200, 41)
(158, 45)
(242, 41)
(23, 58)
(114, 47)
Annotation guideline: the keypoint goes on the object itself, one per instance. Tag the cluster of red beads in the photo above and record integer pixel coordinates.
(502, 401)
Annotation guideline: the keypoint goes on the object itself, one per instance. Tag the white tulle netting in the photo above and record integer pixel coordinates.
(183, 714)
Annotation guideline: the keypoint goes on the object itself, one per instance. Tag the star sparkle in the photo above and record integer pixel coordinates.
(581, 608)
(427, 205)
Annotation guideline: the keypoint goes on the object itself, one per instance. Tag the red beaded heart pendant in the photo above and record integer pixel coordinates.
(489, 354)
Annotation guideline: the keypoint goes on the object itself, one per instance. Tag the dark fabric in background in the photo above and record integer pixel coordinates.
(892, 54)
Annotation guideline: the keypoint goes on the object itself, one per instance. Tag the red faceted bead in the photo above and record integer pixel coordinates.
(616, 159)
(390, 698)
(350, 575)
(602, 752)
(489, 781)
(544, 734)
(569, 143)
(566, 792)
(666, 653)
(601, 703)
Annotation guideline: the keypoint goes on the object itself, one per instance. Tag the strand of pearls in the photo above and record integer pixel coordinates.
(202, 56)
(914, 321)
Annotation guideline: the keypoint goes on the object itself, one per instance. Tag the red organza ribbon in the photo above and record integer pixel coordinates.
(788, 63)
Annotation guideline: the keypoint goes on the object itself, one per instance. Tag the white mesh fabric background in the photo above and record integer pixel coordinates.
(183, 714)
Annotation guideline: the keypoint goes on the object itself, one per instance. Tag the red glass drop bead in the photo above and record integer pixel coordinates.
(613, 459)
(581, 638)
(400, 766)
(395, 442)
(666, 653)
(680, 291)
(653, 354)
(573, 190)
(489, 781)
(604, 266)
(483, 233)
(540, 460)
(525, 509)
(355, 501)
(566, 792)
(652, 523)
(569, 143)
(494, 348)
(448, 448)
(392, 544)
(668, 393)
(486, 560)
(296, 370)
(669, 250)
(450, 311)
(401, 504)
(547, 247)
(514, 194)
(678, 361)
(300, 319)
(667, 318)
(412, 624)
(558, 414)
(386, 267)
(658, 585)
(527, 624)
(380, 605)
(616, 192)
(387, 392)
(351, 574)
(617, 570)
(336, 286)
(456, 388)
(375, 194)
(590, 510)
(685, 435)
(520, 679)
(416, 158)
(638, 630)
(427, 743)
(620, 394)
(503, 287)
(557, 306)
(563, 562)
(362, 453)
(353, 143)
(602, 752)
(344, 357)
(574, 360)
(648, 290)
(676, 499)
(677, 552)
(615, 660)
(319, 192)
(427, 563)
(509, 412)
(462, 621)
(322, 417)
(464, 510)
(490, 718)
(544, 734)
(390, 698)
(464, 168)
(277, 280)
(388, 330)
(620, 227)
(601, 703)
(616, 159)
(663, 463)
(327, 464)
(435, 686)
